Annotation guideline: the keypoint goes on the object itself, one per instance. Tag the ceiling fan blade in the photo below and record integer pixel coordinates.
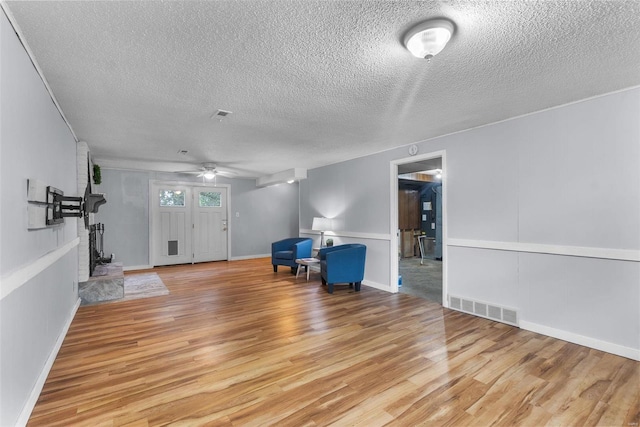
(228, 174)
(208, 168)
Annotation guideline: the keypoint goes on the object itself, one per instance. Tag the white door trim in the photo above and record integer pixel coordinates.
(393, 224)
(191, 184)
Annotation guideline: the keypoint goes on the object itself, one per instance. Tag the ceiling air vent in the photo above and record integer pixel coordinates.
(220, 114)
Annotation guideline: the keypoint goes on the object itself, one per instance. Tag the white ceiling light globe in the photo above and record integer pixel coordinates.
(428, 38)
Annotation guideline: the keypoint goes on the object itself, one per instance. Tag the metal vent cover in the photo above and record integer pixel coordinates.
(467, 305)
(480, 309)
(495, 312)
(483, 309)
(509, 316)
(220, 114)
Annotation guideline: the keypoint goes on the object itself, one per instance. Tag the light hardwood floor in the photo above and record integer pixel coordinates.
(235, 344)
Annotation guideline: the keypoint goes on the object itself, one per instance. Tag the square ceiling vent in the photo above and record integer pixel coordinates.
(220, 114)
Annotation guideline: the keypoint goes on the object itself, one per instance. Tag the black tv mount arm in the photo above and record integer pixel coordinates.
(60, 206)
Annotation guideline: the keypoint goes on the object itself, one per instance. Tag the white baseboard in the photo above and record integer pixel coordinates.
(377, 285)
(137, 267)
(628, 352)
(37, 388)
(240, 258)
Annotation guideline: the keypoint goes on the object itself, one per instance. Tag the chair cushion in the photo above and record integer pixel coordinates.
(283, 255)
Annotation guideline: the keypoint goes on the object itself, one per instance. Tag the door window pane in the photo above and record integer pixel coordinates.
(210, 199)
(171, 198)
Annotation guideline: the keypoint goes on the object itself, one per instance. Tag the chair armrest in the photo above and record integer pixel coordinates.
(302, 249)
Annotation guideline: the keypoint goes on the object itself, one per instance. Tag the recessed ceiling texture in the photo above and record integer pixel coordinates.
(311, 83)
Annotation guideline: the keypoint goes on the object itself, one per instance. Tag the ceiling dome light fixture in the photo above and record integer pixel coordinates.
(428, 38)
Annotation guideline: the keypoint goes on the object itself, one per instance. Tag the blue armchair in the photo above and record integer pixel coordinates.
(342, 264)
(285, 252)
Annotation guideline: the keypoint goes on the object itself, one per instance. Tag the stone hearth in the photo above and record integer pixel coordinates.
(107, 283)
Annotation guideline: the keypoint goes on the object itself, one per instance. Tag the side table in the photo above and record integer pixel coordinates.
(307, 262)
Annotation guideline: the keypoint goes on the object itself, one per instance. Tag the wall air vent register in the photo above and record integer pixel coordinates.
(483, 309)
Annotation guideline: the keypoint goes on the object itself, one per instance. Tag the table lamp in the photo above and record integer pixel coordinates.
(321, 225)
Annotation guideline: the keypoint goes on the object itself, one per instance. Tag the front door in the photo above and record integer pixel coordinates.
(189, 223)
(209, 224)
(171, 218)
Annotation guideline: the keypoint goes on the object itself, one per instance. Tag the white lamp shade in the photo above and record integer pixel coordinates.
(209, 174)
(426, 40)
(321, 224)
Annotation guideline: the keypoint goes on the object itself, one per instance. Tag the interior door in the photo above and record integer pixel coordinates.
(209, 224)
(172, 225)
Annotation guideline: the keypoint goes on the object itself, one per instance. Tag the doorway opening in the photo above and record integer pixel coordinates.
(419, 206)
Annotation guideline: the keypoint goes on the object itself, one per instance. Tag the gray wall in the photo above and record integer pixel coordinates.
(264, 214)
(125, 215)
(34, 143)
(568, 177)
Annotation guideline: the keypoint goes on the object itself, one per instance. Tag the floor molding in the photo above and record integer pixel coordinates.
(379, 286)
(37, 388)
(240, 258)
(628, 352)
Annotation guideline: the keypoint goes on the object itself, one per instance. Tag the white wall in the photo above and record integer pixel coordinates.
(265, 214)
(543, 216)
(38, 269)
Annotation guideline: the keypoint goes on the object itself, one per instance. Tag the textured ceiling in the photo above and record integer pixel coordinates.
(312, 82)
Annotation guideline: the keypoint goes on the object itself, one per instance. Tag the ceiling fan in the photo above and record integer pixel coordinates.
(209, 171)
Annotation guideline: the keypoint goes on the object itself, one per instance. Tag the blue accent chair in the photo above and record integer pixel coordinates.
(342, 264)
(285, 252)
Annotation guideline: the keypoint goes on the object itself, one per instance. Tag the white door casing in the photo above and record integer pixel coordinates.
(182, 231)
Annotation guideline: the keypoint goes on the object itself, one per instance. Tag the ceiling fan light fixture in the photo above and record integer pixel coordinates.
(209, 174)
(428, 38)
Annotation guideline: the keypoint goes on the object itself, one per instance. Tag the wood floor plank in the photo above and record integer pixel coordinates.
(235, 344)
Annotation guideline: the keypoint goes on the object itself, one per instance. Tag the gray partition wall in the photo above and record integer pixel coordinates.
(542, 218)
(38, 268)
